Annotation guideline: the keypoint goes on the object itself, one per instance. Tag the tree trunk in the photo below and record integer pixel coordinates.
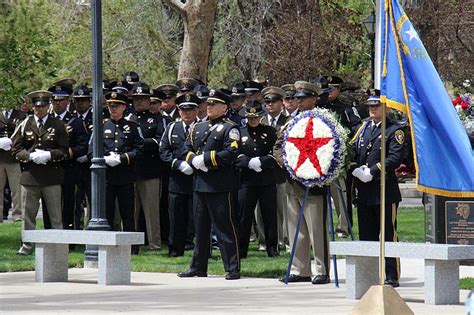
(198, 20)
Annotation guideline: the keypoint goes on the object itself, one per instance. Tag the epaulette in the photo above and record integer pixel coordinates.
(227, 120)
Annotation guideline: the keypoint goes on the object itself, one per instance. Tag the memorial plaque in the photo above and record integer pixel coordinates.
(459, 222)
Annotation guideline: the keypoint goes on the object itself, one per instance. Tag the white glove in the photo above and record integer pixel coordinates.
(198, 163)
(112, 160)
(5, 143)
(82, 159)
(366, 177)
(185, 168)
(255, 164)
(41, 156)
(358, 172)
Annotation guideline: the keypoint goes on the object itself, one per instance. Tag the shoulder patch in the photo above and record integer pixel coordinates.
(400, 136)
(234, 134)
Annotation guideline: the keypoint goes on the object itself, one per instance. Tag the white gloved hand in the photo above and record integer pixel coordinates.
(367, 176)
(82, 159)
(358, 172)
(41, 156)
(112, 160)
(255, 164)
(5, 143)
(198, 163)
(185, 168)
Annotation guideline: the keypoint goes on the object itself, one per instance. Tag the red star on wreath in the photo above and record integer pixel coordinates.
(308, 147)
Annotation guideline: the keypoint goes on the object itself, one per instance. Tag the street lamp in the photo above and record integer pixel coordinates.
(369, 24)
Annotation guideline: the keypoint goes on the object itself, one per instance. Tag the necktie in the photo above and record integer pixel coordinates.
(186, 131)
(40, 124)
(81, 117)
(273, 121)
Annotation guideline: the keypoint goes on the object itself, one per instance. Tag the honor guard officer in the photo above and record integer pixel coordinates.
(156, 97)
(181, 179)
(236, 111)
(186, 85)
(211, 149)
(131, 77)
(78, 145)
(276, 117)
(168, 105)
(252, 90)
(257, 179)
(82, 102)
(313, 233)
(123, 144)
(202, 92)
(148, 166)
(9, 167)
(366, 145)
(40, 143)
(289, 101)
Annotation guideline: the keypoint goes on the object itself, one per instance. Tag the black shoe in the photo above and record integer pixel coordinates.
(192, 273)
(394, 283)
(321, 279)
(296, 278)
(272, 252)
(174, 254)
(232, 275)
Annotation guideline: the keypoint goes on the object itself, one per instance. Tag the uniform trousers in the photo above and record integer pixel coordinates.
(339, 196)
(71, 179)
(180, 207)
(147, 196)
(282, 220)
(369, 230)
(83, 191)
(313, 234)
(31, 195)
(12, 172)
(214, 208)
(267, 198)
(125, 197)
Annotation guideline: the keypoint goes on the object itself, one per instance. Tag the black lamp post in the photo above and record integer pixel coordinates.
(369, 24)
(98, 221)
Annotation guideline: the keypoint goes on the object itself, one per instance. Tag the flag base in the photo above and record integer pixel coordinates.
(381, 299)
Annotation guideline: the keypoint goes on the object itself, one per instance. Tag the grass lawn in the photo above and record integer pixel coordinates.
(410, 229)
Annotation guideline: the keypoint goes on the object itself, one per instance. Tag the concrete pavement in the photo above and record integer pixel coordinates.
(168, 294)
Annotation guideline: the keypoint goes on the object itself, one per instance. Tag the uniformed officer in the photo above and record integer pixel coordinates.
(289, 101)
(276, 117)
(211, 149)
(202, 92)
(156, 97)
(253, 90)
(236, 111)
(181, 180)
(40, 143)
(186, 85)
(256, 163)
(313, 233)
(168, 105)
(123, 144)
(366, 145)
(9, 167)
(148, 167)
(131, 77)
(78, 145)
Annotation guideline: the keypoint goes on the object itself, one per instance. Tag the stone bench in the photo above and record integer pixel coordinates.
(52, 248)
(441, 266)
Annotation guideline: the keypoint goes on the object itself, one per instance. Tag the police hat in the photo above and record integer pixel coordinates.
(238, 89)
(306, 89)
(106, 85)
(321, 82)
(140, 89)
(187, 101)
(273, 93)
(334, 81)
(81, 91)
(39, 98)
(120, 85)
(201, 91)
(373, 100)
(186, 84)
(217, 95)
(254, 108)
(252, 87)
(116, 97)
(62, 89)
(169, 89)
(289, 90)
(156, 95)
(131, 77)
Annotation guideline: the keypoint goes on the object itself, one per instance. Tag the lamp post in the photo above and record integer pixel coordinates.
(369, 24)
(98, 221)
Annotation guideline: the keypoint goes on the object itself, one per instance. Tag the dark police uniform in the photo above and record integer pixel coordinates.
(217, 141)
(257, 142)
(366, 145)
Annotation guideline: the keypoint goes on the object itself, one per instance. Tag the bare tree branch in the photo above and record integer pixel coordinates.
(177, 5)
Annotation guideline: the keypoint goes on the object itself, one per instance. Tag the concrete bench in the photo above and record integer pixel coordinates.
(441, 266)
(52, 248)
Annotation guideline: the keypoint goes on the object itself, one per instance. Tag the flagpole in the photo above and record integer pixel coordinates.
(382, 195)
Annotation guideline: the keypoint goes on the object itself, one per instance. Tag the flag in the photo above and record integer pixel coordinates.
(409, 82)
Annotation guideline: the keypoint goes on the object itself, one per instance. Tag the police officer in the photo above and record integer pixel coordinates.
(257, 181)
(366, 145)
(78, 145)
(211, 149)
(181, 180)
(40, 143)
(202, 92)
(123, 145)
(289, 101)
(236, 111)
(186, 85)
(9, 167)
(168, 105)
(156, 97)
(313, 233)
(148, 167)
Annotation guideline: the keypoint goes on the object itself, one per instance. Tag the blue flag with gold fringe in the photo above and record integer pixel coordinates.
(409, 82)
